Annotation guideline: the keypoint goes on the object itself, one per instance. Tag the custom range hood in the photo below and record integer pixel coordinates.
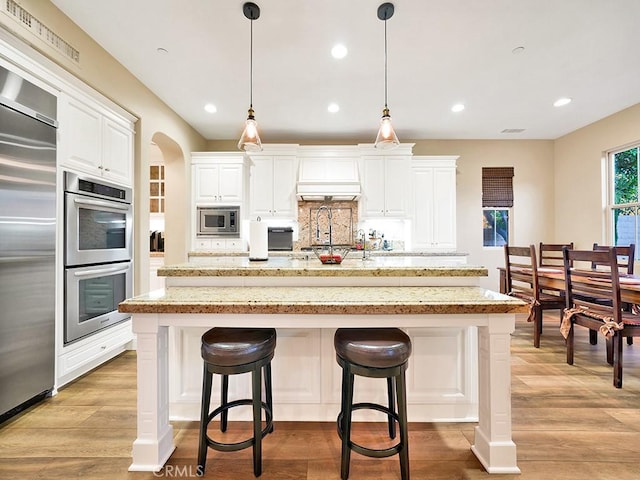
(328, 173)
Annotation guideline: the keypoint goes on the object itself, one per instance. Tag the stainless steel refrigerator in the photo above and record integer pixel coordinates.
(27, 242)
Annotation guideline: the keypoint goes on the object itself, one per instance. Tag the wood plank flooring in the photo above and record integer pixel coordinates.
(568, 423)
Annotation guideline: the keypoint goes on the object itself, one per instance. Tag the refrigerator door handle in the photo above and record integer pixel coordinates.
(23, 259)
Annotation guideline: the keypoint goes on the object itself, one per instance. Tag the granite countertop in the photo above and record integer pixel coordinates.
(350, 267)
(324, 300)
(302, 254)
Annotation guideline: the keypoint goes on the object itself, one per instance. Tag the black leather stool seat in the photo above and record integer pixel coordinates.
(237, 346)
(232, 351)
(373, 347)
(374, 353)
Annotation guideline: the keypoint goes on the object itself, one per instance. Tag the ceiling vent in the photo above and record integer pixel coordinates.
(40, 30)
(512, 130)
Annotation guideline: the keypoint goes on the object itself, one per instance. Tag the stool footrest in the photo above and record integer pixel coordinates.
(232, 447)
(366, 451)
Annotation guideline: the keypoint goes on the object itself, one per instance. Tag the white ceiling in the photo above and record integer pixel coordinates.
(440, 52)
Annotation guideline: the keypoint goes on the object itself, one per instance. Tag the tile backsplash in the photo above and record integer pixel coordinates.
(344, 219)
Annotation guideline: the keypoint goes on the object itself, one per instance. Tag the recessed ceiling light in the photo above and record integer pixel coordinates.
(162, 51)
(517, 50)
(211, 108)
(333, 107)
(561, 102)
(339, 51)
(458, 107)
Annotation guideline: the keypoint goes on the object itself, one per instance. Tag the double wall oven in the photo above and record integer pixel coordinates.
(98, 254)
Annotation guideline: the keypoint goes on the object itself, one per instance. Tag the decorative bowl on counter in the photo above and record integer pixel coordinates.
(331, 255)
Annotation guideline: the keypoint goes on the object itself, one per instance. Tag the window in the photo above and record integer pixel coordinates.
(624, 202)
(497, 199)
(495, 227)
(156, 189)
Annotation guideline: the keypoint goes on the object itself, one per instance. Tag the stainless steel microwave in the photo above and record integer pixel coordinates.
(219, 220)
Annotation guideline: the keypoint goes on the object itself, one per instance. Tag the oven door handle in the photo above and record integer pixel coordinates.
(97, 203)
(101, 271)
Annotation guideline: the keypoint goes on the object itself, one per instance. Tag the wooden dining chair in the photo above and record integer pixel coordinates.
(583, 285)
(626, 261)
(551, 254)
(625, 257)
(521, 269)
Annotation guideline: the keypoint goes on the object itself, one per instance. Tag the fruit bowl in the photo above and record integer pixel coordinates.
(331, 255)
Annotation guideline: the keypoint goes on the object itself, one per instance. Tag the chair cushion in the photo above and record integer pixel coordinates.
(373, 347)
(237, 346)
(630, 319)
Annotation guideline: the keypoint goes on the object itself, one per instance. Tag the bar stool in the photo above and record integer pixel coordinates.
(232, 351)
(376, 353)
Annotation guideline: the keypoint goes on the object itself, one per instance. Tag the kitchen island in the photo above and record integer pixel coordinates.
(326, 308)
(459, 370)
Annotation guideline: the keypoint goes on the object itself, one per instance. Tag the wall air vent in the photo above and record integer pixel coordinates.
(512, 130)
(40, 30)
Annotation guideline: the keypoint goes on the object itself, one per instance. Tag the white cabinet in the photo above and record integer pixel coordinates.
(80, 357)
(220, 244)
(433, 186)
(117, 155)
(217, 179)
(94, 139)
(272, 186)
(385, 181)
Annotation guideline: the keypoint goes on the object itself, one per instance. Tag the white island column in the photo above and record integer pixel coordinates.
(154, 444)
(492, 441)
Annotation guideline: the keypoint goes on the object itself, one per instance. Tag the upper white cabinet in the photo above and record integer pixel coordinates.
(433, 186)
(94, 139)
(272, 185)
(385, 181)
(217, 178)
(117, 158)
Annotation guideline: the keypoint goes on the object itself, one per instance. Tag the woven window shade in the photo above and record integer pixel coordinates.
(497, 187)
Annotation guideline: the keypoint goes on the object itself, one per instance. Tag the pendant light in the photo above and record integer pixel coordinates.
(386, 138)
(250, 139)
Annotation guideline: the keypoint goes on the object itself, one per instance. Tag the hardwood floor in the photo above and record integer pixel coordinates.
(569, 422)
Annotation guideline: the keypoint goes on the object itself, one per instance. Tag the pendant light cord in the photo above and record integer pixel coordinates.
(385, 63)
(251, 68)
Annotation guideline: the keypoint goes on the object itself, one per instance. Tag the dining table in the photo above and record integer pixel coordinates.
(552, 279)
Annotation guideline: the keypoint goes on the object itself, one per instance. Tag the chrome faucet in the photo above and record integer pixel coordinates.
(364, 242)
(329, 219)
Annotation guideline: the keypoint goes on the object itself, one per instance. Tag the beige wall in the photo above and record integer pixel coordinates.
(580, 175)
(156, 121)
